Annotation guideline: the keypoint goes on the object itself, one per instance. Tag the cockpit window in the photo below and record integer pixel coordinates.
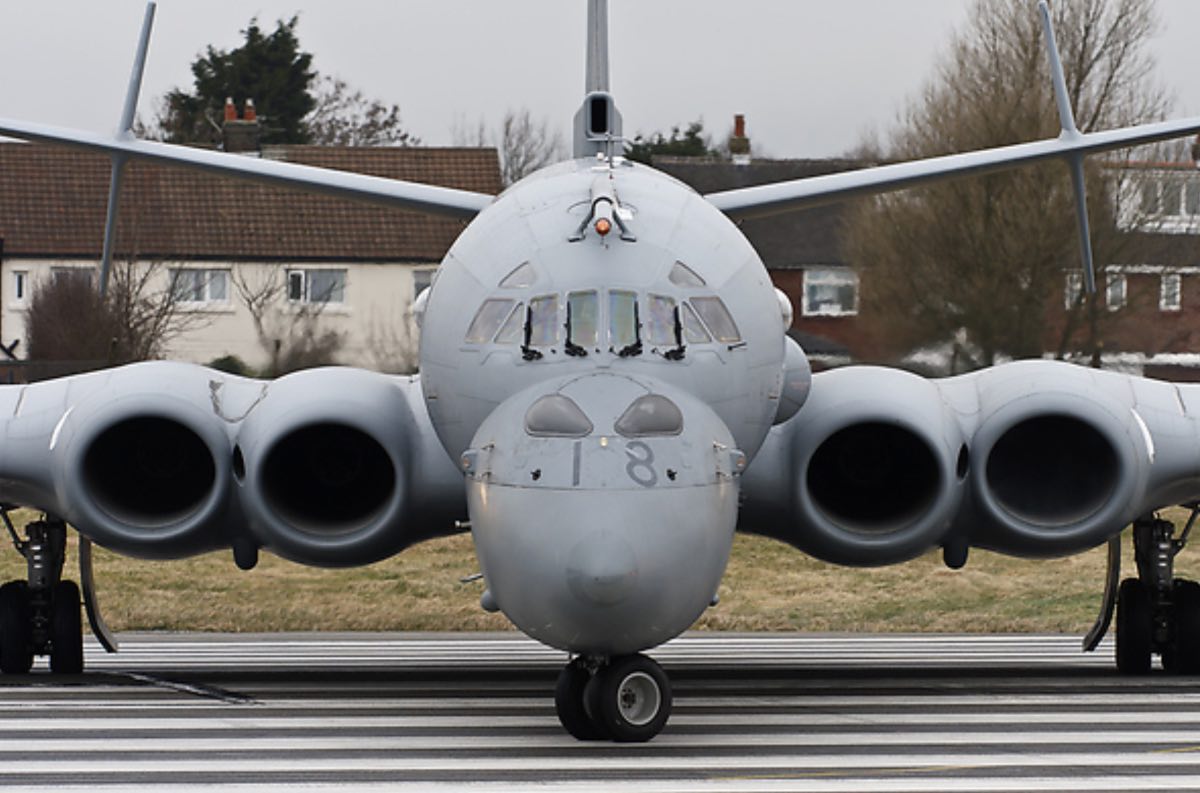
(693, 329)
(487, 320)
(543, 321)
(510, 333)
(584, 318)
(652, 414)
(519, 278)
(682, 275)
(556, 416)
(622, 319)
(717, 318)
(661, 325)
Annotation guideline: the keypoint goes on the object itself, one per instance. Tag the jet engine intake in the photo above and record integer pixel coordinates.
(322, 465)
(878, 465)
(138, 459)
(148, 471)
(1060, 473)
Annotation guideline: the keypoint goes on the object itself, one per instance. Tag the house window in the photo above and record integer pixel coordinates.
(78, 274)
(422, 280)
(200, 286)
(1114, 292)
(316, 286)
(1170, 296)
(1073, 292)
(1170, 198)
(20, 286)
(831, 292)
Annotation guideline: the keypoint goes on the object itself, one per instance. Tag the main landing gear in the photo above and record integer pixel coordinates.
(40, 615)
(624, 698)
(1156, 613)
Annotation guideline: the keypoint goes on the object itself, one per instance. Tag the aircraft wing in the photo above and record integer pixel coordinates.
(327, 467)
(1031, 458)
(406, 195)
(799, 193)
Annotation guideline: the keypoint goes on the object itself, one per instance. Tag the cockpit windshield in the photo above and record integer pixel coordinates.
(487, 320)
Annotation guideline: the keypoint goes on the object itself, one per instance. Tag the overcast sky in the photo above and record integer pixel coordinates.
(812, 77)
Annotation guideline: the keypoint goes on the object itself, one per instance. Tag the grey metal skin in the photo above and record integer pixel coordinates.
(158, 460)
(599, 541)
(1034, 458)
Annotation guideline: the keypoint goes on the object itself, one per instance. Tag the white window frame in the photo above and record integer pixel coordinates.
(208, 274)
(1154, 217)
(1072, 290)
(829, 276)
(304, 275)
(1170, 298)
(1115, 290)
(21, 284)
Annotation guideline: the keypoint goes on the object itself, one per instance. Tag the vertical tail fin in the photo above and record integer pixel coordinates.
(597, 124)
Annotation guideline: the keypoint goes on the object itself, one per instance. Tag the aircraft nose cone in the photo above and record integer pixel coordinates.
(602, 570)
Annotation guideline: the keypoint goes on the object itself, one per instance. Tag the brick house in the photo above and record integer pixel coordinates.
(802, 250)
(1150, 297)
(358, 266)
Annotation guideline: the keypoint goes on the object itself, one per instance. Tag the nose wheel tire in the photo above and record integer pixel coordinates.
(569, 702)
(630, 699)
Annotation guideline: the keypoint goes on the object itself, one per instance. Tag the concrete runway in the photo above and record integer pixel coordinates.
(752, 712)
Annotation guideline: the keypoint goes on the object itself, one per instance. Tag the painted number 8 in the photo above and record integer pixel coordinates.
(641, 458)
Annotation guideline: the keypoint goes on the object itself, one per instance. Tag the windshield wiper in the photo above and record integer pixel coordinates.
(635, 348)
(527, 352)
(678, 352)
(571, 347)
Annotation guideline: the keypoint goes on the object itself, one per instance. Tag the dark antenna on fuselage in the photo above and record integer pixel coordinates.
(597, 124)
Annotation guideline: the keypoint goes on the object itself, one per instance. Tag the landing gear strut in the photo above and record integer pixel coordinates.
(40, 616)
(625, 699)
(1157, 613)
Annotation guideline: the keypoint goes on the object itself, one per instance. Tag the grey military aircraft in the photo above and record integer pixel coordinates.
(606, 395)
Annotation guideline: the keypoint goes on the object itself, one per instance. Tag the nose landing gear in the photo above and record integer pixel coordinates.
(626, 699)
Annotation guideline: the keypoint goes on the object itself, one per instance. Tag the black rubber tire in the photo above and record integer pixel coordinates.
(1135, 628)
(16, 629)
(633, 699)
(568, 702)
(1186, 614)
(66, 630)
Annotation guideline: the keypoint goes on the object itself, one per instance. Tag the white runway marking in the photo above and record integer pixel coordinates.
(753, 712)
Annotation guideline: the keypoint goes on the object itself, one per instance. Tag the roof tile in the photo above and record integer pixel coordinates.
(52, 204)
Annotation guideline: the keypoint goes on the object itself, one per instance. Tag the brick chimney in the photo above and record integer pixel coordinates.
(739, 144)
(241, 135)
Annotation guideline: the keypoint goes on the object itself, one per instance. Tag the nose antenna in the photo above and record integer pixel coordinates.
(597, 124)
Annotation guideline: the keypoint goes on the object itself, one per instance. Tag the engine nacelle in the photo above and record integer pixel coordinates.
(1061, 458)
(138, 458)
(322, 467)
(878, 466)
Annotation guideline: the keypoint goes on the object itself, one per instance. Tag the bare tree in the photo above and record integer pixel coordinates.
(142, 314)
(984, 259)
(345, 117)
(524, 145)
(290, 333)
